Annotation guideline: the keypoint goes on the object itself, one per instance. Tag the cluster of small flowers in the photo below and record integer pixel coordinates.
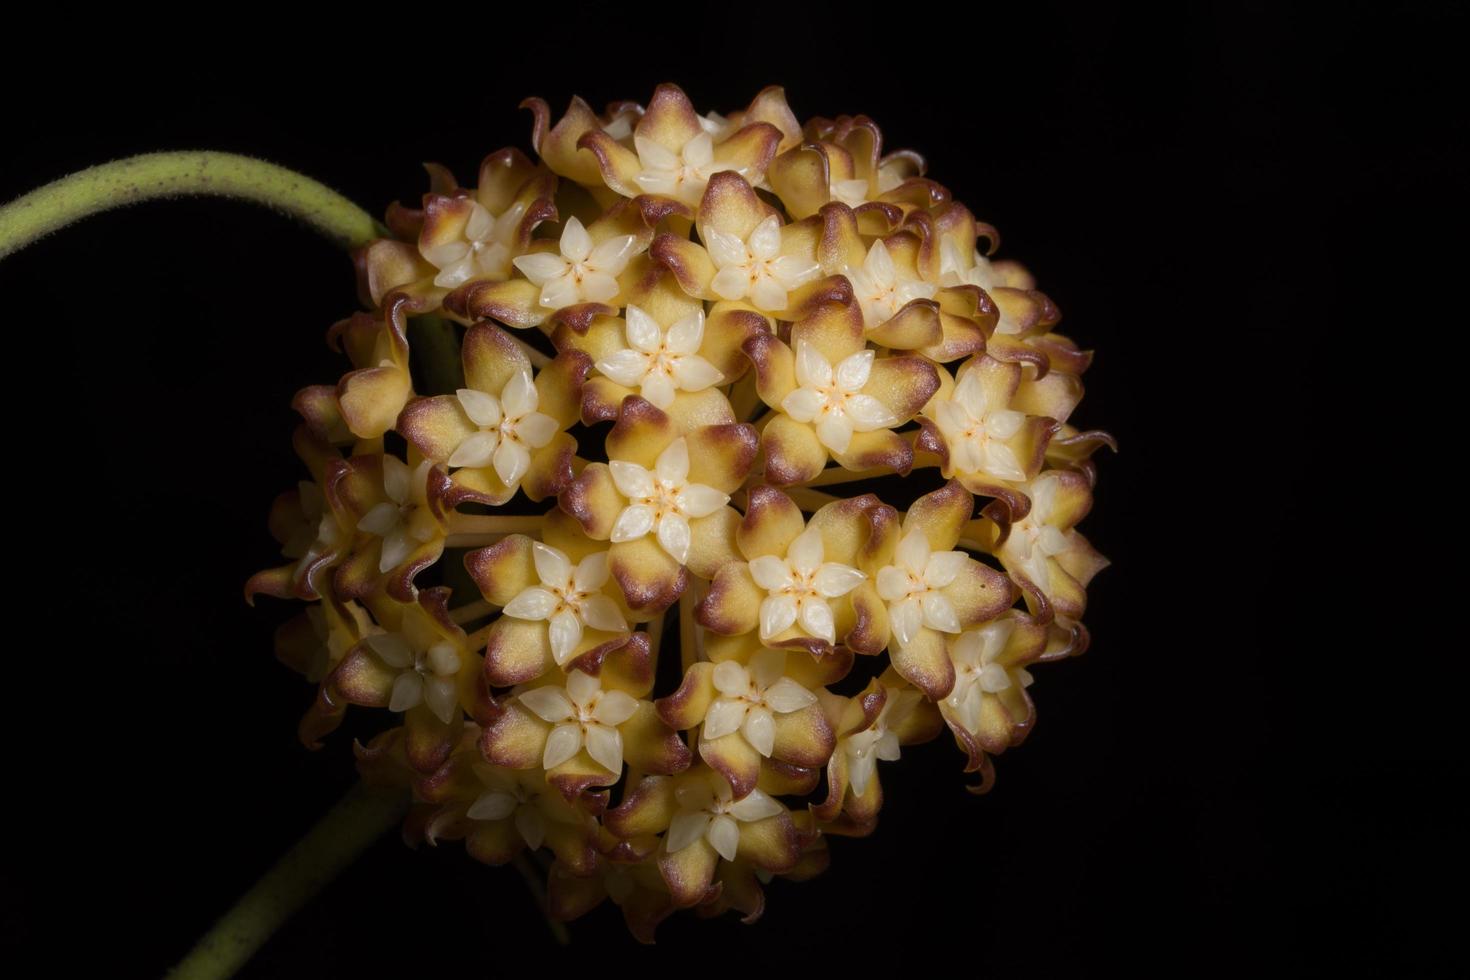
(745, 299)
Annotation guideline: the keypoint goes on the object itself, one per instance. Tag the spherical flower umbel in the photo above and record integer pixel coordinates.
(692, 339)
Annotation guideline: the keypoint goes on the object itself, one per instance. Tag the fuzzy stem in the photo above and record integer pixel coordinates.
(358, 819)
(190, 172)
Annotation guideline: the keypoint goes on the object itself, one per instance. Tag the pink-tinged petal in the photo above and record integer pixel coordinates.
(775, 367)
(694, 409)
(801, 177)
(733, 603)
(647, 809)
(726, 329)
(942, 515)
(834, 330)
(689, 263)
(436, 426)
(916, 327)
(688, 873)
(720, 456)
(550, 471)
(870, 630)
(371, 399)
(642, 432)
(650, 745)
(687, 706)
(730, 206)
(670, 120)
(428, 740)
(517, 651)
(593, 499)
(770, 844)
(734, 758)
(650, 580)
(514, 302)
(617, 165)
(713, 542)
(903, 384)
(559, 387)
(772, 521)
(749, 150)
(979, 593)
(803, 737)
(504, 569)
(925, 663)
(557, 145)
(882, 448)
(515, 739)
(794, 454)
(960, 337)
(845, 526)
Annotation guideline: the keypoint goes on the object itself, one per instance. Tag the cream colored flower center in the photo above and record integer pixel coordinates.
(799, 587)
(831, 398)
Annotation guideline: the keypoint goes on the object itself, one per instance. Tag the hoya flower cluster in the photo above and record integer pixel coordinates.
(672, 328)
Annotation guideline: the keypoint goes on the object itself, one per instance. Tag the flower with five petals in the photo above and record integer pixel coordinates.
(568, 598)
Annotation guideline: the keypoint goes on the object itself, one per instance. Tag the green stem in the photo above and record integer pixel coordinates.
(156, 175)
(359, 819)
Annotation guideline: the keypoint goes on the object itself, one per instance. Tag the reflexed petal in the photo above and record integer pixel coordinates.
(442, 696)
(476, 451)
(512, 460)
(906, 618)
(674, 537)
(552, 566)
(658, 389)
(601, 613)
(731, 282)
(632, 480)
(575, 243)
(626, 367)
(605, 745)
(391, 648)
(942, 567)
(805, 553)
(852, 371)
(724, 836)
(725, 249)
(633, 523)
(534, 603)
(697, 500)
(380, 520)
(536, 430)
(548, 703)
(492, 806)
(913, 552)
(835, 432)
(687, 333)
(694, 373)
(893, 583)
(730, 678)
(757, 805)
(541, 267)
(786, 695)
(398, 544)
(408, 691)
(803, 404)
(812, 369)
(868, 413)
(615, 707)
(816, 619)
(611, 256)
(724, 717)
(672, 466)
(771, 573)
(759, 730)
(769, 294)
(560, 292)
(598, 287)
(939, 613)
(519, 396)
(592, 572)
(686, 829)
(482, 409)
(777, 615)
(562, 744)
(565, 633)
(642, 331)
(833, 580)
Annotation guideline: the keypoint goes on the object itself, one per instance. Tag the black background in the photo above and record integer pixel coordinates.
(1197, 191)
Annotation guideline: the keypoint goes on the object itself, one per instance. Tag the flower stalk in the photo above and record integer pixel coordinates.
(152, 176)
